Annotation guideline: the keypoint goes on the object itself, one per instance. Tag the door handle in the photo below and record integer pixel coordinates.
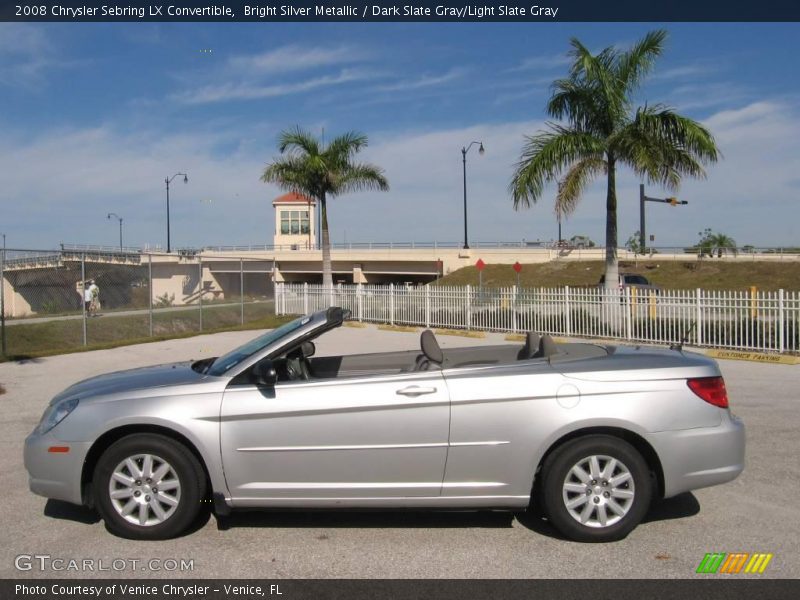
(415, 390)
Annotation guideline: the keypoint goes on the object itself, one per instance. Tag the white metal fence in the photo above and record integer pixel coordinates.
(741, 320)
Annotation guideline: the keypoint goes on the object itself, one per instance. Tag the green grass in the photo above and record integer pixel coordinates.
(64, 336)
(709, 274)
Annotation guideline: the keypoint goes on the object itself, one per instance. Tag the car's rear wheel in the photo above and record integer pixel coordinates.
(596, 488)
(148, 487)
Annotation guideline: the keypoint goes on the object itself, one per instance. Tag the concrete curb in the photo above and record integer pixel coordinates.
(401, 328)
(782, 359)
(460, 333)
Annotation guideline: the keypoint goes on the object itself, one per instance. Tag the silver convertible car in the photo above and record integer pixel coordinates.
(584, 434)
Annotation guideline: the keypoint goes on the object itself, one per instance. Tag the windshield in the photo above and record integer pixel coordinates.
(225, 363)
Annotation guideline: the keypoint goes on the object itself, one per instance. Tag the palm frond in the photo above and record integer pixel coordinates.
(342, 148)
(574, 182)
(636, 63)
(544, 156)
(664, 146)
(359, 177)
(298, 140)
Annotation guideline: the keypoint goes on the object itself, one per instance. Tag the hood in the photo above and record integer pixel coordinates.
(133, 379)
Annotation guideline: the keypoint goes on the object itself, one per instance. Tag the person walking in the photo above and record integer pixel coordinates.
(87, 298)
(94, 290)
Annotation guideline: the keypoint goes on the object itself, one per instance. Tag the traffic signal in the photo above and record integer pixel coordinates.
(673, 201)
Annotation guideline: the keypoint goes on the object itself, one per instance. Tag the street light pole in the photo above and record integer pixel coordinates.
(558, 210)
(464, 151)
(3, 299)
(167, 180)
(116, 216)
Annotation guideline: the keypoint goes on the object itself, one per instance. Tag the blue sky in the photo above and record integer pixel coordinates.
(93, 117)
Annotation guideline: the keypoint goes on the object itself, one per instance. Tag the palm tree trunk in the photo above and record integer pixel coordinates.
(612, 267)
(327, 271)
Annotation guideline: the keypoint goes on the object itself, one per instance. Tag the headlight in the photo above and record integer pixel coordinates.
(55, 414)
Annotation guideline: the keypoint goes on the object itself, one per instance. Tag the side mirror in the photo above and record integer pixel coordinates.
(308, 349)
(264, 373)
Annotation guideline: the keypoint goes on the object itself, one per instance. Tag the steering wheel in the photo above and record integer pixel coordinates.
(292, 371)
(296, 367)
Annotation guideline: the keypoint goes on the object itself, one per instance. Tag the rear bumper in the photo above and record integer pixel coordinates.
(702, 457)
(55, 475)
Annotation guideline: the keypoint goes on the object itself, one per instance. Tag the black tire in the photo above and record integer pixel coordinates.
(557, 468)
(184, 467)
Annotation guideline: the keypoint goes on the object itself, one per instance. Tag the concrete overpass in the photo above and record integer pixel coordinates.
(41, 282)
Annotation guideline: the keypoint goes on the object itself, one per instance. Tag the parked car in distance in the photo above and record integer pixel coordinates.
(632, 280)
(590, 434)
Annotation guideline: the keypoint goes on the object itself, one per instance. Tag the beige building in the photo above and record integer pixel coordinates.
(295, 222)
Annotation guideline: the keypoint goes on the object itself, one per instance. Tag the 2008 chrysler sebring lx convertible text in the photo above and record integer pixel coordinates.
(586, 434)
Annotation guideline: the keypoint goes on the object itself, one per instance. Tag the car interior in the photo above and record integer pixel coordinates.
(300, 364)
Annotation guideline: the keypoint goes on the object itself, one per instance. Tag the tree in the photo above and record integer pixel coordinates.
(600, 129)
(634, 243)
(322, 171)
(718, 243)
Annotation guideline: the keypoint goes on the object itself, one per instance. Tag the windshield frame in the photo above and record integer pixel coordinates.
(303, 328)
(243, 353)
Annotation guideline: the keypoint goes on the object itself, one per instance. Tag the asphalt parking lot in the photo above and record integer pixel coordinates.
(756, 513)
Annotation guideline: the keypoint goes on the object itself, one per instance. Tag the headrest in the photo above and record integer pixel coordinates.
(547, 346)
(430, 347)
(531, 347)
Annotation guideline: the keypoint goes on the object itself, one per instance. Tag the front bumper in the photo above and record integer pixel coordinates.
(55, 475)
(702, 457)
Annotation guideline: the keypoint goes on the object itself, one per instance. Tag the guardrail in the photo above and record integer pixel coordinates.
(746, 252)
(761, 321)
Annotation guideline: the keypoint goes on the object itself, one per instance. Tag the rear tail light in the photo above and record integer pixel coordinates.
(710, 389)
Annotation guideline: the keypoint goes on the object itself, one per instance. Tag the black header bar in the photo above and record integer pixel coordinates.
(401, 11)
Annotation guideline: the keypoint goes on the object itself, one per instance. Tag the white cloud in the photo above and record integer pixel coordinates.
(64, 184)
(426, 81)
(253, 91)
(75, 177)
(541, 63)
(690, 71)
(26, 55)
(256, 76)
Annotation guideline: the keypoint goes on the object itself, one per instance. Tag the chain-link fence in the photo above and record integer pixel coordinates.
(66, 299)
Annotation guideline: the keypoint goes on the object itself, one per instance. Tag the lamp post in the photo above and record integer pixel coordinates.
(3, 299)
(167, 180)
(116, 216)
(464, 151)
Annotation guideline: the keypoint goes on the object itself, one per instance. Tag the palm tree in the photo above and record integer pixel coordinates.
(601, 129)
(711, 242)
(321, 171)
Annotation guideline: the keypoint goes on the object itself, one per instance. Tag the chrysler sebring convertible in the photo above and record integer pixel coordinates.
(585, 435)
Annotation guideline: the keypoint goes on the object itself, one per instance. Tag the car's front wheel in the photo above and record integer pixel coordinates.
(148, 487)
(596, 488)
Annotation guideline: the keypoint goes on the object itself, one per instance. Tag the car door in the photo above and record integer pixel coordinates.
(338, 441)
(499, 418)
